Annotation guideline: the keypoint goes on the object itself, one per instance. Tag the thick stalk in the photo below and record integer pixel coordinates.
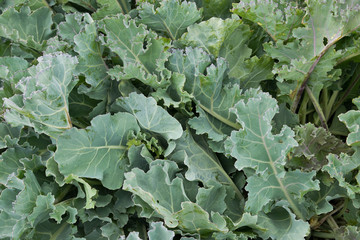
(345, 95)
(317, 108)
(307, 77)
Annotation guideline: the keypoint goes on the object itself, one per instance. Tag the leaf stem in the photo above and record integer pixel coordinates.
(328, 215)
(62, 194)
(345, 95)
(324, 235)
(220, 118)
(317, 108)
(330, 220)
(308, 74)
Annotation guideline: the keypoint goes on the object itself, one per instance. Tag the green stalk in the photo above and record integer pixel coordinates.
(317, 108)
(347, 92)
(303, 111)
(324, 235)
(63, 193)
(331, 104)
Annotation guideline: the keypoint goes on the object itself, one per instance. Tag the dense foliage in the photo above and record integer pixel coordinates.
(174, 119)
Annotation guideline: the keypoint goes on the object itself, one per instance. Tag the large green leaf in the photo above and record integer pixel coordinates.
(203, 165)
(159, 188)
(284, 17)
(229, 39)
(151, 117)
(111, 7)
(254, 146)
(282, 224)
(44, 100)
(171, 18)
(341, 166)
(11, 162)
(314, 144)
(127, 40)
(215, 8)
(8, 135)
(37, 30)
(91, 63)
(72, 26)
(212, 98)
(158, 231)
(97, 152)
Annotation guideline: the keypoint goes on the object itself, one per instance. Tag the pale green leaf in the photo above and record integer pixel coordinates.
(26, 199)
(11, 162)
(229, 39)
(74, 23)
(254, 146)
(90, 192)
(44, 101)
(314, 144)
(203, 165)
(111, 7)
(208, 91)
(212, 199)
(150, 116)
(158, 231)
(159, 188)
(172, 17)
(8, 135)
(50, 230)
(126, 39)
(99, 151)
(193, 219)
(91, 63)
(341, 166)
(281, 224)
(215, 8)
(277, 18)
(38, 26)
(44, 206)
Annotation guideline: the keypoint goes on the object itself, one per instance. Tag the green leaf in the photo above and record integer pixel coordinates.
(88, 153)
(282, 224)
(212, 199)
(26, 200)
(90, 192)
(255, 147)
(172, 17)
(38, 26)
(203, 165)
(127, 40)
(44, 101)
(314, 144)
(150, 116)
(111, 7)
(347, 233)
(208, 91)
(279, 25)
(158, 231)
(211, 35)
(51, 230)
(91, 63)
(73, 25)
(340, 166)
(8, 135)
(12, 162)
(159, 188)
(193, 219)
(44, 206)
(215, 8)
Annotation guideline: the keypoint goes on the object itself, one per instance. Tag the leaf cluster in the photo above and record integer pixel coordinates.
(170, 119)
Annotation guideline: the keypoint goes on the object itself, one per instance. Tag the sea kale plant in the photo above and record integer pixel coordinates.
(169, 119)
